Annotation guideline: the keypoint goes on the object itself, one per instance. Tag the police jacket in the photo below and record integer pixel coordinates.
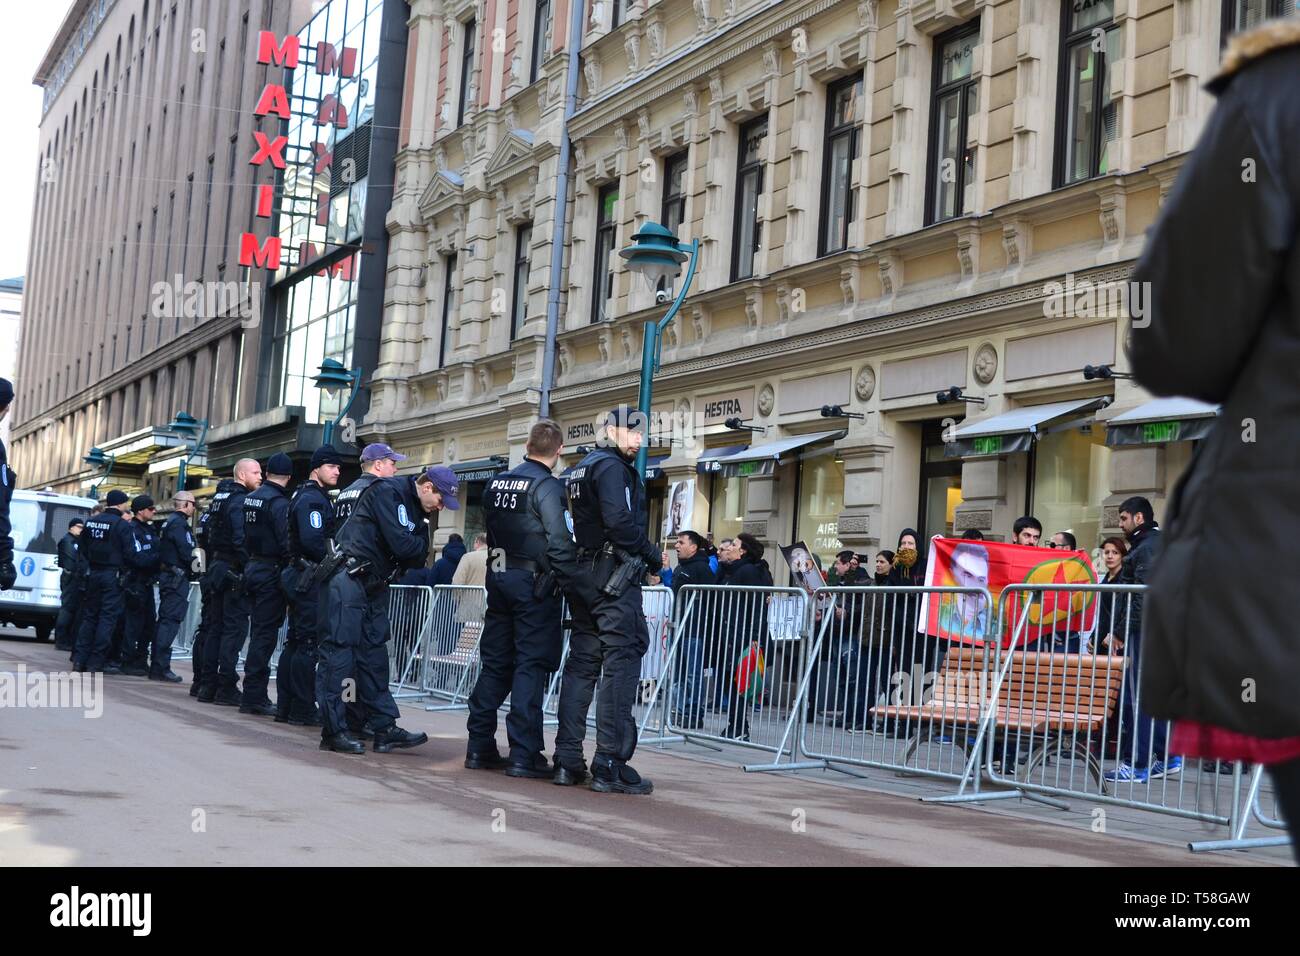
(71, 561)
(608, 503)
(266, 522)
(8, 482)
(176, 543)
(142, 558)
(524, 509)
(387, 528)
(105, 540)
(225, 530)
(311, 522)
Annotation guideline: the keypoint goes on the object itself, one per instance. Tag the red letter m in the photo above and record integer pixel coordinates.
(286, 54)
(327, 59)
(266, 256)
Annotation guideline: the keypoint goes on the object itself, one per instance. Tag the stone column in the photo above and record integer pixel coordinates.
(862, 520)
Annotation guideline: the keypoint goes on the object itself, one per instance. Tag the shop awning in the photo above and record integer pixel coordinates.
(762, 459)
(1014, 430)
(708, 460)
(1162, 420)
(653, 467)
(481, 469)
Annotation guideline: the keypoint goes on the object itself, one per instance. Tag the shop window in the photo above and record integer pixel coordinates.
(954, 101)
(1070, 473)
(749, 187)
(519, 305)
(821, 499)
(727, 507)
(841, 149)
(1087, 117)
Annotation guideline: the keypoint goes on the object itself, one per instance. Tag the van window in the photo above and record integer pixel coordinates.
(38, 525)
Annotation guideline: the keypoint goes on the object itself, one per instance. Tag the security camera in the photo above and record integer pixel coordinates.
(661, 296)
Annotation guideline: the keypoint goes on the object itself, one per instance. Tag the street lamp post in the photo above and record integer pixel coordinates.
(331, 378)
(656, 254)
(97, 459)
(187, 426)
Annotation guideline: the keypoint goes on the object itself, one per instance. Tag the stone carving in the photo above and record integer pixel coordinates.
(771, 60)
(867, 14)
(986, 363)
(703, 21)
(864, 386)
(451, 449)
(591, 70)
(643, 123)
(766, 399)
(655, 35)
(632, 46)
(625, 340)
(854, 524)
(566, 359)
(715, 85)
(691, 103)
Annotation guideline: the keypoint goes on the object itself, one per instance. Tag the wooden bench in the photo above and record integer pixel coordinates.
(1053, 698)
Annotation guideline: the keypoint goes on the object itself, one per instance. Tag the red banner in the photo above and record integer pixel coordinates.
(969, 619)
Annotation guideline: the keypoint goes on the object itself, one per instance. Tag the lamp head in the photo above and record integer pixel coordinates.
(654, 254)
(332, 377)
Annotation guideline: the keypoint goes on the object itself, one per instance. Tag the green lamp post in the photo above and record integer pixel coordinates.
(187, 426)
(656, 254)
(97, 459)
(331, 379)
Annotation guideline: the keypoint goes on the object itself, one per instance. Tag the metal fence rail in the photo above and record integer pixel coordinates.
(450, 663)
(410, 613)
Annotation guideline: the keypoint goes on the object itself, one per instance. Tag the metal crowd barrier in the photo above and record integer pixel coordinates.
(410, 612)
(450, 664)
(183, 646)
(1252, 807)
(732, 673)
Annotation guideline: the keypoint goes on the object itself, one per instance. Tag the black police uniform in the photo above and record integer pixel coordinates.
(534, 555)
(385, 533)
(176, 548)
(106, 538)
(266, 538)
(608, 503)
(344, 503)
(311, 522)
(208, 621)
(226, 558)
(140, 617)
(8, 482)
(72, 588)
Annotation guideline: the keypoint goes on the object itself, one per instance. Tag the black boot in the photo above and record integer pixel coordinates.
(262, 709)
(207, 693)
(485, 760)
(395, 738)
(563, 776)
(611, 777)
(228, 697)
(530, 768)
(343, 743)
(194, 688)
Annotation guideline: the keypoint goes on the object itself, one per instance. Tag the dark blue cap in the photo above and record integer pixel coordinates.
(116, 497)
(279, 464)
(444, 480)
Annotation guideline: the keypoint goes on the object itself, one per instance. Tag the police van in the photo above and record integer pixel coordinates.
(39, 519)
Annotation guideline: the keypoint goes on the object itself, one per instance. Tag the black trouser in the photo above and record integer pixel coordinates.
(296, 680)
(1286, 780)
(173, 602)
(234, 632)
(266, 603)
(140, 621)
(355, 644)
(71, 593)
(520, 648)
(100, 613)
(609, 636)
(207, 633)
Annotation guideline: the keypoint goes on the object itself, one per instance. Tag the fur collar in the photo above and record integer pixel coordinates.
(1248, 47)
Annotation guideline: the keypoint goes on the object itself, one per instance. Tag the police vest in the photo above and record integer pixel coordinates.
(259, 523)
(217, 532)
(512, 522)
(584, 500)
(96, 540)
(346, 502)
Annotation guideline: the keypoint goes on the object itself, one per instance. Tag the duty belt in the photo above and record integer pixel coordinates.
(521, 564)
(265, 559)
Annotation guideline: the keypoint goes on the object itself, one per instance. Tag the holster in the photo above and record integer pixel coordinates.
(326, 568)
(545, 586)
(626, 570)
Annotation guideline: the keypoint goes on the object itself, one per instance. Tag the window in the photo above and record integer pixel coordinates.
(1239, 15)
(940, 484)
(316, 321)
(606, 231)
(672, 212)
(951, 173)
(619, 14)
(448, 306)
(523, 240)
(842, 137)
(821, 499)
(749, 187)
(541, 27)
(1088, 121)
(727, 506)
(1070, 469)
(466, 69)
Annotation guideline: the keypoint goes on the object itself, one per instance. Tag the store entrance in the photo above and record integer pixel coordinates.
(940, 484)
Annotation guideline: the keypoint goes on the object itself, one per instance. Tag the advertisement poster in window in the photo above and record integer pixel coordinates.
(804, 571)
(681, 508)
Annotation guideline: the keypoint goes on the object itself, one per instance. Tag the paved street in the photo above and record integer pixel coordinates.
(127, 788)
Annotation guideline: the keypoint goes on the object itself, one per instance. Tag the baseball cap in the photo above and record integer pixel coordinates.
(141, 502)
(444, 480)
(326, 455)
(279, 464)
(116, 497)
(379, 450)
(6, 392)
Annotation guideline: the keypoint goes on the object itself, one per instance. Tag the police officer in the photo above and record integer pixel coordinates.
(229, 554)
(311, 521)
(176, 551)
(207, 602)
(107, 536)
(8, 482)
(266, 537)
(385, 533)
(380, 461)
(608, 502)
(531, 555)
(139, 575)
(72, 585)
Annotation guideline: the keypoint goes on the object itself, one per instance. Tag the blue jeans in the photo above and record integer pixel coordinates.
(689, 673)
(1140, 734)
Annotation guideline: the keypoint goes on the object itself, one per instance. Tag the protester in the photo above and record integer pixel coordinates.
(472, 569)
(973, 534)
(1027, 530)
(692, 568)
(1112, 619)
(444, 569)
(746, 636)
(919, 653)
(884, 564)
(1064, 539)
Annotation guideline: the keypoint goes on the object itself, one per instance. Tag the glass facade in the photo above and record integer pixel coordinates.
(1089, 117)
(821, 499)
(316, 320)
(1071, 479)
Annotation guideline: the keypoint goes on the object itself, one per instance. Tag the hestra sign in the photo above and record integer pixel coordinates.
(274, 101)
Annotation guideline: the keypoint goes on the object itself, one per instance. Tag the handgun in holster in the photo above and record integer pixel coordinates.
(328, 565)
(545, 585)
(624, 570)
(233, 580)
(306, 575)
